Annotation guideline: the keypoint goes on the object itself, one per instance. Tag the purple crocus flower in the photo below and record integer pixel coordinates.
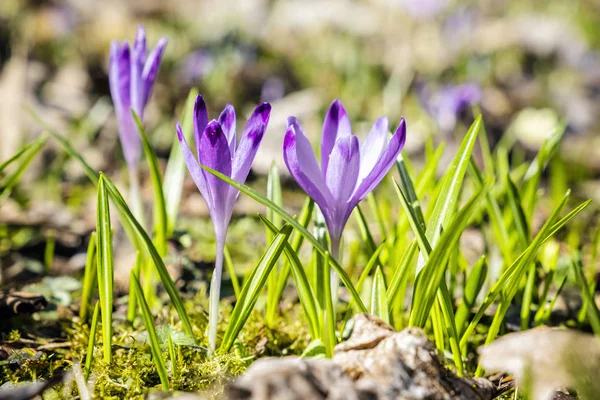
(216, 148)
(446, 104)
(349, 171)
(131, 76)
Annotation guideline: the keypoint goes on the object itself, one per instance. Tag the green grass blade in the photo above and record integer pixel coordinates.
(146, 245)
(527, 297)
(234, 279)
(252, 288)
(25, 158)
(431, 275)
(89, 357)
(159, 206)
(176, 168)
(515, 272)
(89, 171)
(301, 229)
(547, 312)
(31, 146)
(152, 336)
(448, 197)
(445, 302)
(495, 215)
(411, 195)
(172, 354)
(296, 243)
(364, 230)
(273, 194)
(592, 309)
(473, 285)
(534, 172)
(518, 214)
(89, 278)
(379, 304)
(306, 296)
(373, 261)
(132, 301)
(105, 267)
(401, 273)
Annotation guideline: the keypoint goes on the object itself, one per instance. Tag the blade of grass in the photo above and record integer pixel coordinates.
(105, 267)
(35, 145)
(361, 280)
(520, 221)
(159, 206)
(89, 357)
(273, 194)
(296, 243)
(306, 296)
(234, 279)
(26, 158)
(592, 309)
(176, 169)
(132, 301)
(294, 223)
(514, 272)
(379, 304)
(146, 244)
(89, 171)
(252, 288)
(401, 273)
(89, 278)
(152, 336)
(450, 191)
(442, 314)
(431, 275)
(473, 285)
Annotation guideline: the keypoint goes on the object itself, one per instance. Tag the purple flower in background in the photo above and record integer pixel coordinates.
(424, 9)
(132, 73)
(349, 171)
(194, 66)
(445, 105)
(216, 148)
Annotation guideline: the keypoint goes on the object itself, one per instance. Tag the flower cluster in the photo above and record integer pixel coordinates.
(347, 173)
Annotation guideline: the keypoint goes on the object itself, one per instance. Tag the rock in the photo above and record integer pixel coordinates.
(294, 378)
(547, 360)
(374, 363)
(401, 365)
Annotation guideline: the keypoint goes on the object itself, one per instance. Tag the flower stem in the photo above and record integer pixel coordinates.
(135, 196)
(336, 254)
(215, 293)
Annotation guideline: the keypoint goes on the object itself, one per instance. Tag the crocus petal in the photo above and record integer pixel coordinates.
(373, 146)
(213, 152)
(200, 121)
(123, 66)
(151, 69)
(261, 115)
(227, 121)
(243, 158)
(113, 74)
(137, 65)
(300, 160)
(195, 170)
(336, 124)
(120, 87)
(382, 166)
(344, 165)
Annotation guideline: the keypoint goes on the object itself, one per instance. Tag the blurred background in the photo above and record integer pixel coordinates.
(526, 65)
